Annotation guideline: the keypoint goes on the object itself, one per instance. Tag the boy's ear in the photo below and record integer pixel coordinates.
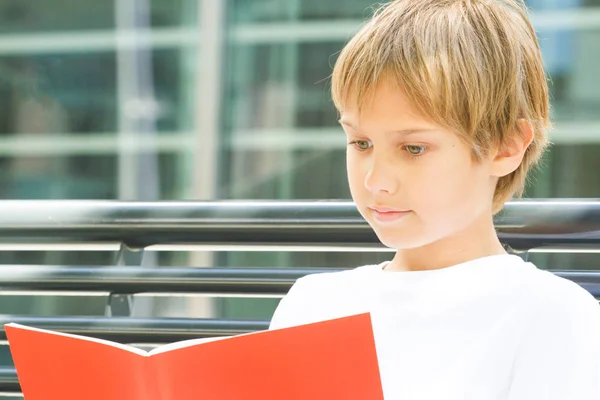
(509, 156)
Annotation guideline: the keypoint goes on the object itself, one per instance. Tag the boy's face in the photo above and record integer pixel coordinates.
(412, 180)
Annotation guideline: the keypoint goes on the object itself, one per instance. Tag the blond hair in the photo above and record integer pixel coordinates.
(473, 66)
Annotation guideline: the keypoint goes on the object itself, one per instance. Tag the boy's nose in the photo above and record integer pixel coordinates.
(381, 178)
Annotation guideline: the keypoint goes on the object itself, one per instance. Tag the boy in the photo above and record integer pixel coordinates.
(445, 105)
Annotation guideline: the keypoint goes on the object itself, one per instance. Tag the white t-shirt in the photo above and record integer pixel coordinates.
(491, 328)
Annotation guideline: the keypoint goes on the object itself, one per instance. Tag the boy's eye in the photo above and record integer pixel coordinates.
(415, 150)
(362, 145)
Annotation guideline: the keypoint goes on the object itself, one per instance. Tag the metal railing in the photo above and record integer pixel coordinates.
(233, 225)
(133, 227)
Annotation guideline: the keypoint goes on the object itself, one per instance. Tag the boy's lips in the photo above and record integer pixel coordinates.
(387, 214)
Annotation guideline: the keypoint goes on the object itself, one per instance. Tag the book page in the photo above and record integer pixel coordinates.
(334, 359)
(53, 366)
(193, 342)
(184, 343)
(79, 337)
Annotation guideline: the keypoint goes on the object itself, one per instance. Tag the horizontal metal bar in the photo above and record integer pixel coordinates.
(524, 224)
(8, 380)
(589, 280)
(130, 280)
(320, 247)
(137, 330)
(255, 282)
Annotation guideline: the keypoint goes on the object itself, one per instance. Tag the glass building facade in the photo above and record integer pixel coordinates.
(227, 99)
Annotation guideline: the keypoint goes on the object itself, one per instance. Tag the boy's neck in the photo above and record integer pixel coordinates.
(477, 241)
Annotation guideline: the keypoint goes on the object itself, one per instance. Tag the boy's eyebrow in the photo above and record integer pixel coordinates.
(411, 131)
(345, 122)
(400, 131)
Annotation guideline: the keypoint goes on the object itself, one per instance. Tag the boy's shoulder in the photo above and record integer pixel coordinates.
(528, 282)
(325, 279)
(557, 294)
(321, 296)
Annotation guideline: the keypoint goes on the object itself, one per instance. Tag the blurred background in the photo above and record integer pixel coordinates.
(227, 99)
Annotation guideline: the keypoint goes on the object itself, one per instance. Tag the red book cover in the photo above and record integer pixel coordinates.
(334, 359)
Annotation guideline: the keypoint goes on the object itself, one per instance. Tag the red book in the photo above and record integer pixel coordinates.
(334, 359)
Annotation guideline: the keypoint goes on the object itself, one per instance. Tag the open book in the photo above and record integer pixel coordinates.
(334, 359)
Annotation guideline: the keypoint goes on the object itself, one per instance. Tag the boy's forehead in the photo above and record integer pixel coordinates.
(392, 127)
(388, 117)
(385, 100)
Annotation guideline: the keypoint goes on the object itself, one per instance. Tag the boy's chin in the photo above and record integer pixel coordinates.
(399, 236)
(397, 242)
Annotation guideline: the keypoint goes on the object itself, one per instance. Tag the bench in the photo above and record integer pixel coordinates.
(130, 228)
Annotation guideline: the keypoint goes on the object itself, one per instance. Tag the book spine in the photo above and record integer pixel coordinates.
(157, 390)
